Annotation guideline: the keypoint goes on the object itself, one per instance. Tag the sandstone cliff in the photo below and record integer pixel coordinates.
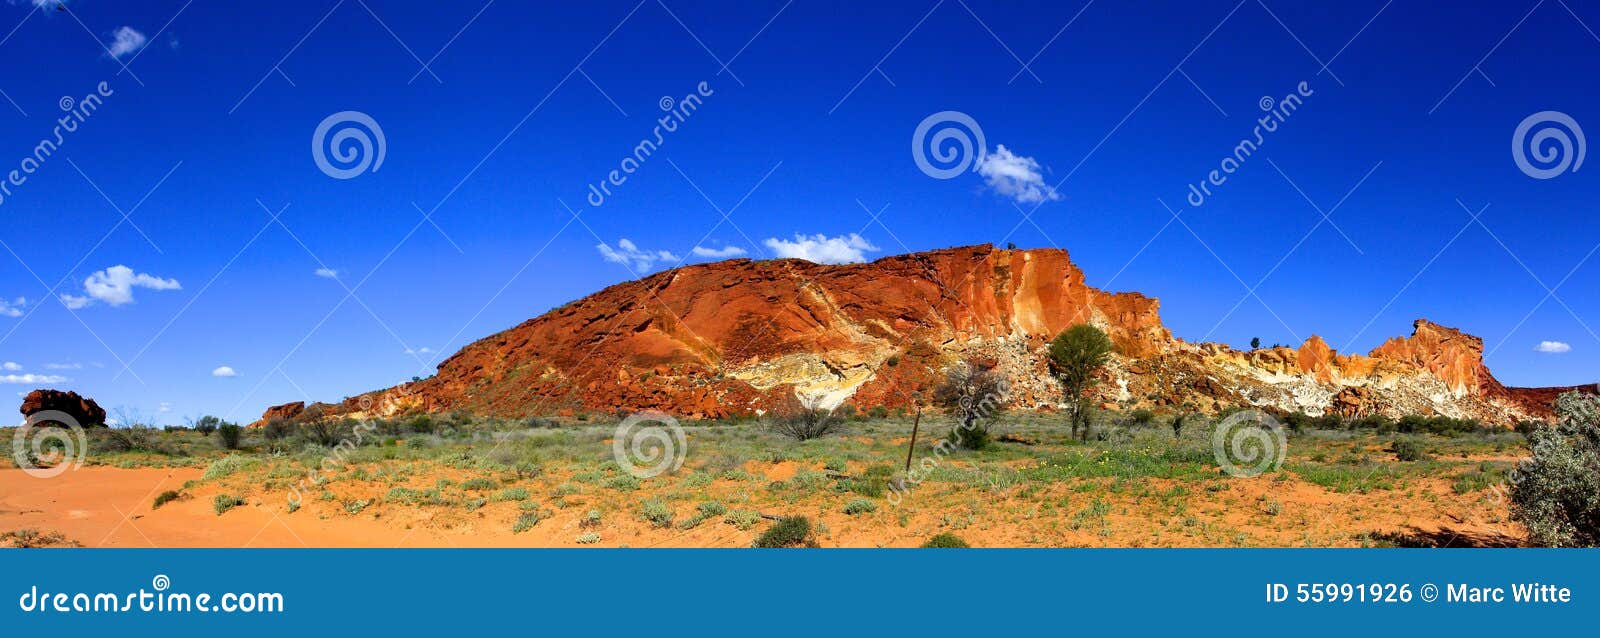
(741, 336)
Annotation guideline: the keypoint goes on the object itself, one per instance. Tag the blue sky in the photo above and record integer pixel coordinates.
(496, 119)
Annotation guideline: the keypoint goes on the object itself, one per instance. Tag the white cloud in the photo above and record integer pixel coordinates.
(1552, 347)
(327, 273)
(718, 253)
(165, 407)
(13, 308)
(115, 285)
(627, 253)
(11, 366)
(31, 378)
(125, 40)
(1015, 176)
(819, 248)
(224, 371)
(422, 350)
(63, 366)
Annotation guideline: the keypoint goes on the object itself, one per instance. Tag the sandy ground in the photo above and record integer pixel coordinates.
(109, 507)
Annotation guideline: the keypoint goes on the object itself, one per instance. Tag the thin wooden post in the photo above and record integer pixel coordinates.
(912, 448)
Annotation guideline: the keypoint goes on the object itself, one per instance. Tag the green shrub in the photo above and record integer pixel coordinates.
(510, 494)
(1408, 450)
(1556, 492)
(165, 497)
(860, 506)
(225, 502)
(712, 508)
(588, 538)
(229, 435)
(878, 412)
(228, 465)
(590, 519)
(355, 507)
(525, 522)
(742, 519)
(656, 512)
(1142, 417)
(792, 531)
(207, 424)
(946, 540)
(623, 483)
(479, 484)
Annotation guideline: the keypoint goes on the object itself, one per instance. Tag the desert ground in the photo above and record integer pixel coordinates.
(442, 482)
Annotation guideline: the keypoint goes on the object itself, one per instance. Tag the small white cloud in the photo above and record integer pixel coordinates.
(1015, 176)
(114, 286)
(819, 248)
(327, 273)
(422, 350)
(63, 366)
(13, 308)
(224, 371)
(11, 366)
(718, 253)
(627, 253)
(1553, 347)
(31, 378)
(165, 407)
(124, 41)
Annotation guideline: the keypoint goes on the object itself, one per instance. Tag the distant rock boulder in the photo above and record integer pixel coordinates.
(85, 410)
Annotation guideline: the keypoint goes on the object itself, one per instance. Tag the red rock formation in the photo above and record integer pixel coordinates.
(285, 411)
(1318, 360)
(84, 410)
(741, 336)
(1453, 356)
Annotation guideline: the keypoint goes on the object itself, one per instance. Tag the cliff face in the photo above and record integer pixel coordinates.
(743, 336)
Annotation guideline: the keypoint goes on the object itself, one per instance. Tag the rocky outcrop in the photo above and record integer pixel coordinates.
(742, 336)
(1455, 357)
(83, 409)
(285, 411)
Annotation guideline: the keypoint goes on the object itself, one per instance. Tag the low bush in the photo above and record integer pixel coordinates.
(860, 506)
(656, 512)
(804, 422)
(225, 502)
(792, 531)
(165, 497)
(946, 540)
(742, 519)
(1408, 450)
(1556, 492)
(525, 522)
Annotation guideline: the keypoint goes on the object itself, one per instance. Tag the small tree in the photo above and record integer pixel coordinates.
(229, 435)
(207, 424)
(1255, 343)
(1076, 356)
(976, 396)
(1556, 492)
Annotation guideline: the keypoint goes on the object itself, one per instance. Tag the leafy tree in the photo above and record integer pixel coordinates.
(1255, 343)
(976, 396)
(1076, 356)
(229, 434)
(207, 424)
(1556, 492)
